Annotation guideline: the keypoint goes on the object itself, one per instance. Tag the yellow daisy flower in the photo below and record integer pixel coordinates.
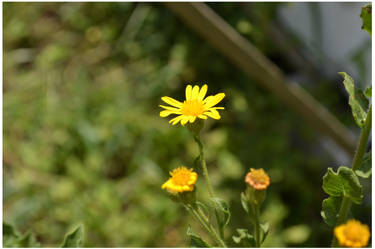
(258, 179)
(195, 106)
(182, 179)
(352, 234)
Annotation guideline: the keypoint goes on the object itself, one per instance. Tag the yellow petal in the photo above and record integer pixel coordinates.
(210, 102)
(188, 92)
(202, 92)
(170, 108)
(184, 120)
(202, 116)
(165, 113)
(192, 119)
(212, 115)
(176, 119)
(171, 101)
(194, 93)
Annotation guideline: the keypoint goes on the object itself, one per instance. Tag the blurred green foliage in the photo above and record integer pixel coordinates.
(84, 143)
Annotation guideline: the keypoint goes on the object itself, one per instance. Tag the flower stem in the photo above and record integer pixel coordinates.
(197, 139)
(361, 149)
(201, 217)
(257, 226)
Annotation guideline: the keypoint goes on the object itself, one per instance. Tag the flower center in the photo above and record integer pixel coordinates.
(192, 108)
(353, 232)
(181, 176)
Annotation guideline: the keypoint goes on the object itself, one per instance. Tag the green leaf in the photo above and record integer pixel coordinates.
(344, 182)
(330, 210)
(357, 100)
(366, 14)
(368, 92)
(244, 238)
(265, 227)
(28, 240)
(73, 239)
(223, 211)
(365, 168)
(195, 240)
(10, 236)
(244, 202)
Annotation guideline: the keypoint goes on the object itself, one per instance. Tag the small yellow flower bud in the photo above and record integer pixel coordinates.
(352, 234)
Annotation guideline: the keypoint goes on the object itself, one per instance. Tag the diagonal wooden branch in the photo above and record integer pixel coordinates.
(203, 20)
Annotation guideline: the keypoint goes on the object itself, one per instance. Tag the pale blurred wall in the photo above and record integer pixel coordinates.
(335, 38)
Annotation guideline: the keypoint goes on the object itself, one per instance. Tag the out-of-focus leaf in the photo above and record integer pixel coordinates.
(244, 202)
(330, 209)
(10, 236)
(365, 168)
(366, 15)
(195, 240)
(344, 182)
(73, 239)
(265, 229)
(368, 92)
(244, 239)
(296, 234)
(28, 240)
(357, 100)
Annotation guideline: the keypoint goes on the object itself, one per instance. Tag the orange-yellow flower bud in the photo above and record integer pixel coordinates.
(352, 234)
(258, 179)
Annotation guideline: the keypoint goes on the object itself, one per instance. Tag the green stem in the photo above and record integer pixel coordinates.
(256, 223)
(201, 217)
(361, 149)
(197, 139)
(204, 166)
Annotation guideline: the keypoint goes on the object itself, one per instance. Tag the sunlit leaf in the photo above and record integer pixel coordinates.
(73, 239)
(330, 209)
(344, 182)
(365, 168)
(366, 15)
(357, 100)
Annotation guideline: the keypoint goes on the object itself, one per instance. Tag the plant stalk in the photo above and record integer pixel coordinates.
(201, 217)
(197, 139)
(361, 149)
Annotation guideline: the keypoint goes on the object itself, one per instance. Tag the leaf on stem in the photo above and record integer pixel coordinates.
(223, 210)
(366, 14)
(365, 168)
(330, 210)
(195, 240)
(357, 100)
(244, 238)
(344, 182)
(368, 92)
(11, 238)
(265, 229)
(73, 239)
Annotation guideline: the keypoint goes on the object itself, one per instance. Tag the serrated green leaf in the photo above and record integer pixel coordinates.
(368, 92)
(365, 168)
(244, 239)
(366, 14)
(344, 182)
(223, 211)
(73, 239)
(330, 209)
(195, 240)
(357, 100)
(265, 227)
(10, 236)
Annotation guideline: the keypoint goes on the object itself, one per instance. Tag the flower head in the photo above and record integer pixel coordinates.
(352, 234)
(182, 180)
(258, 179)
(195, 106)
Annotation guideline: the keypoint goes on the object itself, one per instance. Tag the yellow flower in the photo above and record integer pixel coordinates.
(195, 106)
(352, 234)
(258, 179)
(182, 179)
